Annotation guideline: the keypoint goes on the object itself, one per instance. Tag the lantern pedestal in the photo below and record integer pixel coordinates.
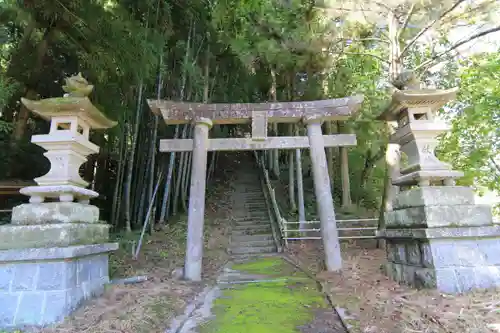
(54, 254)
(436, 236)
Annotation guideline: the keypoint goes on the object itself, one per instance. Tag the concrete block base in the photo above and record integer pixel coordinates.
(451, 265)
(54, 212)
(436, 237)
(52, 235)
(40, 287)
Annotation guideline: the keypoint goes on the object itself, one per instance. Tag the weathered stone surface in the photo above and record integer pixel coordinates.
(464, 279)
(399, 253)
(425, 250)
(440, 216)
(413, 254)
(435, 176)
(281, 142)
(434, 196)
(425, 278)
(259, 125)
(63, 192)
(54, 253)
(42, 292)
(52, 235)
(436, 233)
(408, 274)
(54, 212)
(323, 193)
(238, 113)
(450, 265)
(465, 252)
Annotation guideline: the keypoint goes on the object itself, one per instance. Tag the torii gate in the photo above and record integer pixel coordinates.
(204, 116)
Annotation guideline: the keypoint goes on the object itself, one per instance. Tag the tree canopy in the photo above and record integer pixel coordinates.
(240, 51)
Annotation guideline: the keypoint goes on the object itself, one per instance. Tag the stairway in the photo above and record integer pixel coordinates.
(251, 230)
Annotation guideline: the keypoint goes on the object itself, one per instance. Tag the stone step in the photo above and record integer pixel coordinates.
(253, 209)
(241, 202)
(245, 199)
(257, 243)
(256, 212)
(247, 219)
(250, 195)
(253, 199)
(247, 250)
(251, 238)
(253, 227)
(251, 256)
(253, 206)
(256, 218)
(252, 232)
(256, 205)
(251, 222)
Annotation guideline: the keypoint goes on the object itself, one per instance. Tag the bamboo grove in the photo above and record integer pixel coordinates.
(215, 51)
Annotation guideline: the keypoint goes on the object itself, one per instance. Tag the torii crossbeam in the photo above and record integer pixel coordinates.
(203, 116)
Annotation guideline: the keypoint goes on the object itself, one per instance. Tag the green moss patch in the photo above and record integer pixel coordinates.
(270, 307)
(272, 266)
(280, 306)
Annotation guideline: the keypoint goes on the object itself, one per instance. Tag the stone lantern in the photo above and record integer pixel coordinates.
(54, 254)
(436, 236)
(417, 134)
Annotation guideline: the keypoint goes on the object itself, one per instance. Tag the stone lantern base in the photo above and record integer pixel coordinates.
(436, 237)
(52, 257)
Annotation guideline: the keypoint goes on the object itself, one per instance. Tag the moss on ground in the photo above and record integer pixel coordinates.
(267, 307)
(272, 267)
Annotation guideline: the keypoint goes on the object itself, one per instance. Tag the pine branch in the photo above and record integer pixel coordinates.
(427, 27)
(407, 20)
(495, 164)
(370, 39)
(369, 55)
(453, 47)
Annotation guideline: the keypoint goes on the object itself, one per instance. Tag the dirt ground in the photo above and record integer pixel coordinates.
(148, 307)
(376, 304)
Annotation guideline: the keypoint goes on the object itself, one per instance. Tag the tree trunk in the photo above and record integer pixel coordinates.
(291, 175)
(300, 185)
(131, 160)
(165, 206)
(180, 172)
(115, 215)
(395, 69)
(392, 157)
(275, 152)
(186, 173)
(346, 182)
(329, 125)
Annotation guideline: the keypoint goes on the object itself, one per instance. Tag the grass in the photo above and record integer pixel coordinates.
(272, 267)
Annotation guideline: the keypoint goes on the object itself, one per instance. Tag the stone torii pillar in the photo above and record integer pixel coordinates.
(196, 210)
(323, 192)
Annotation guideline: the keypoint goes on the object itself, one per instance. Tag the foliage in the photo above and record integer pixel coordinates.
(474, 143)
(226, 51)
